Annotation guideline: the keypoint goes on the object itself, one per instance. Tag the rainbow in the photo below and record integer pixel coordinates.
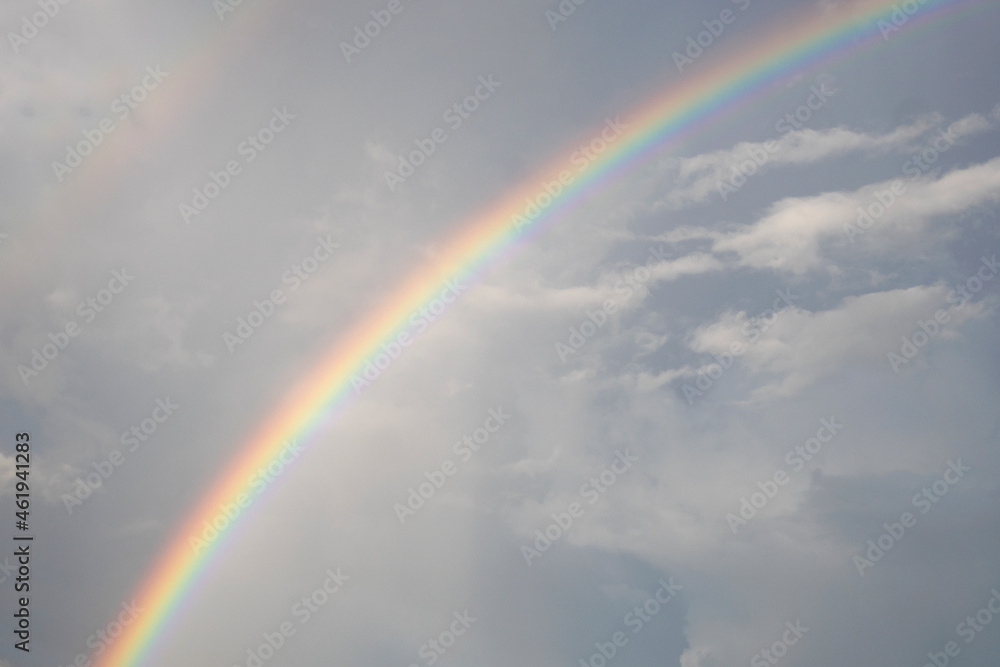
(708, 90)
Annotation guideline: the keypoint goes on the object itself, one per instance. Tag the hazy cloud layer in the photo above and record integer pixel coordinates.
(682, 410)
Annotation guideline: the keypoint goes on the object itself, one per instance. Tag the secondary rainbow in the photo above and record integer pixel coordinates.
(707, 90)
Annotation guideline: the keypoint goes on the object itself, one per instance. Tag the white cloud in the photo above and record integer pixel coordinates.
(697, 179)
(801, 347)
(789, 237)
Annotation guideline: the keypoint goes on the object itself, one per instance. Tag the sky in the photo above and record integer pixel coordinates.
(735, 404)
